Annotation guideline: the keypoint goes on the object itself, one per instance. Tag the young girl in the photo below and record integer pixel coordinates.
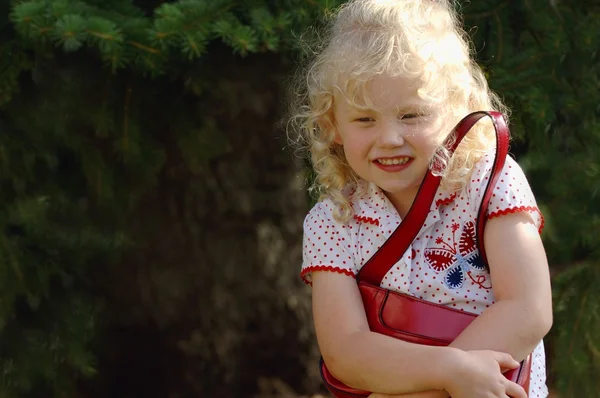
(378, 100)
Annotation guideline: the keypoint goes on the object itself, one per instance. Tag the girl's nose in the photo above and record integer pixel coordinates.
(391, 135)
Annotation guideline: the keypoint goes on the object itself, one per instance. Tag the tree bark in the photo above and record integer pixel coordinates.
(209, 302)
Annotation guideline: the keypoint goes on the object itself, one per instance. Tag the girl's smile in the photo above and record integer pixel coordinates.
(393, 164)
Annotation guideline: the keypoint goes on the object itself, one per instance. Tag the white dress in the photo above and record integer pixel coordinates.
(442, 265)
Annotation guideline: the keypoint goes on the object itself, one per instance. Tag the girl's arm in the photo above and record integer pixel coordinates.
(522, 313)
(375, 362)
(366, 360)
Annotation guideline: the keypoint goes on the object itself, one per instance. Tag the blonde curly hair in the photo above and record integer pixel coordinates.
(417, 39)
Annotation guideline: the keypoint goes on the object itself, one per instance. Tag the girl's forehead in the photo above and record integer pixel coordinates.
(383, 93)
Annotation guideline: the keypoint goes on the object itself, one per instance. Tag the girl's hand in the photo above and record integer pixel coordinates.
(479, 374)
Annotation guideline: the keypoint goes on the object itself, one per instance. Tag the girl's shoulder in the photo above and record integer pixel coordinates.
(483, 169)
(328, 244)
(321, 213)
(366, 201)
(512, 192)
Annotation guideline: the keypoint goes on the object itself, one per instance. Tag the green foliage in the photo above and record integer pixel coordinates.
(543, 58)
(124, 36)
(46, 318)
(577, 341)
(13, 61)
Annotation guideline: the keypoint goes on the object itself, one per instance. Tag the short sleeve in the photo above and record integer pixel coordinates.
(326, 244)
(511, 194)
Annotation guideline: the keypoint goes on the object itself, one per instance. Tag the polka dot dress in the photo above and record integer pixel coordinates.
(443, 264)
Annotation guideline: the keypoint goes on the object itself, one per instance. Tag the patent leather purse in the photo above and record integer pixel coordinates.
(406, 317)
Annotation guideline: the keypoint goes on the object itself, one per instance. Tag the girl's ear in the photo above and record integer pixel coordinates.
(338, 138)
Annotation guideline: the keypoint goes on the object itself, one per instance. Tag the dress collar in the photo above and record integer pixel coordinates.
(371, 205)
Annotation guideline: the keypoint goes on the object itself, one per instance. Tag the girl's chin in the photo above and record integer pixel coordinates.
(405, 190)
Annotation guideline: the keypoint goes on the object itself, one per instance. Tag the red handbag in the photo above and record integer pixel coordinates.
(409, 318)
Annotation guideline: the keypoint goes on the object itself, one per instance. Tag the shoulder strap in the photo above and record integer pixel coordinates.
(502, 140)
(396, 245)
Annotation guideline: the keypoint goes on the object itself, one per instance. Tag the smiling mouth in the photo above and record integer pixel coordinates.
(393, 161)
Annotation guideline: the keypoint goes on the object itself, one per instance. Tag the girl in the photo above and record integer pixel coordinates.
(378, 100)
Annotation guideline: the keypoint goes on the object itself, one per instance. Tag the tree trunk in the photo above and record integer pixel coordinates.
(209, 302)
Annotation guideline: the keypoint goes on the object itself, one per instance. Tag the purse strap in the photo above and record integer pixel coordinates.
(396, 245)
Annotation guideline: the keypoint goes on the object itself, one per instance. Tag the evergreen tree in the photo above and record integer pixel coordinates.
(543, 57)
(122, 123)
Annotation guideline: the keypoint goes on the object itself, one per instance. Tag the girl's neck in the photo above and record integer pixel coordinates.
(402, 202)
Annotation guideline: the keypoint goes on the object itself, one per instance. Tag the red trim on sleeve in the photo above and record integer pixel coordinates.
(519, 209)
(324, 268)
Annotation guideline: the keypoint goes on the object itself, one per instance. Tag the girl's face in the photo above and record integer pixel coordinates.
(392, 144)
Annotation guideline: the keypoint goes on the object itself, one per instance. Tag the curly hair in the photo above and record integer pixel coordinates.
(416, 39)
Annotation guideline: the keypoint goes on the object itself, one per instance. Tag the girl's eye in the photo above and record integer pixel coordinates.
(365, 119)
(411, 116)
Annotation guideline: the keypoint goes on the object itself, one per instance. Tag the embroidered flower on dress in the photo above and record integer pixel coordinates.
(460, 263)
